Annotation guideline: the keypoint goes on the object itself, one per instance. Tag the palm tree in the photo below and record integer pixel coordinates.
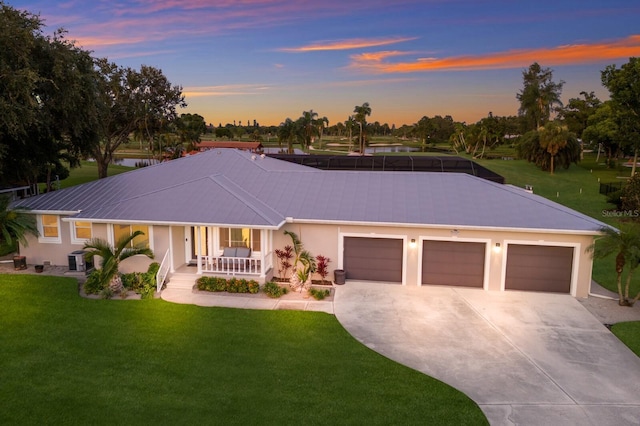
(112, 256)
(15, 224)
(287, 134)
(553, 138)
(309, 125)
(626, 244)
(321, 123)
(349, 126)
(361, 113)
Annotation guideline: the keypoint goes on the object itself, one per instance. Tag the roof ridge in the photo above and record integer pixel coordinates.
(248, 199)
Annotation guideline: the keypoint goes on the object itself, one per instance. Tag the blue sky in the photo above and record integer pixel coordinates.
(268, 60)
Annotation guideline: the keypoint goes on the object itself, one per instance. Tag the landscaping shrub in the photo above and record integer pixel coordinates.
(233, 285)
(319, 294)
(272, 289)
(143, 283)
(93, 285)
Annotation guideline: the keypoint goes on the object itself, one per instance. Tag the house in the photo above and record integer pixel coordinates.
(255, 147)
(405, 228)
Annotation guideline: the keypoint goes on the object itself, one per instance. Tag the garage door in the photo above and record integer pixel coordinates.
(539, 268)
(373, 259)
(453, 263)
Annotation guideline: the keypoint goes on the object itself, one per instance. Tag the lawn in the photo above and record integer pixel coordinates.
(629, 333)
(69, 360)
(88, 171)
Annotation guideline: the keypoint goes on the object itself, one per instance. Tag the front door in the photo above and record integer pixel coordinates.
(193, 243)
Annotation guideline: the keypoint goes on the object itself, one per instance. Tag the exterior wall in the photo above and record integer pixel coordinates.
(37, 253)
(178, 236)
(327, 241)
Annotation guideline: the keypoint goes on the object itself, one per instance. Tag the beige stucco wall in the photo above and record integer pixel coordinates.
(327, 240)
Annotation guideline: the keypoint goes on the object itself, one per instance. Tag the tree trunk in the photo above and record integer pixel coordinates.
(621, 299)
(635, 160)
(552, 157)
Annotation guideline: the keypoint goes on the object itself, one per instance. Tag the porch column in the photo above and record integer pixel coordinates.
(171, 265)
(199, 248)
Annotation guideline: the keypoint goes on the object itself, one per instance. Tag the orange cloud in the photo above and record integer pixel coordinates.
(346, 44)
(561, 55)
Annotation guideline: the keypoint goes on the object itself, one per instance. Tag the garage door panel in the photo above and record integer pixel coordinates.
(373, 259)
(539, 268)
(453, 263)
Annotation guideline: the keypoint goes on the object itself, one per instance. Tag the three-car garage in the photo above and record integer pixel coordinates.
(525, 266)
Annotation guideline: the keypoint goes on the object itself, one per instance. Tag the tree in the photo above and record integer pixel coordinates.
(530, 148)
(625, 243)
(539, 95)
(602, 129)
(624, 88)
(47, 100)
(553, 138)
(308, 124)
(575, 115)
(287, 133)
(112, 256)
(130, 101)
(190, 127)
(15, 224)
(361, 113)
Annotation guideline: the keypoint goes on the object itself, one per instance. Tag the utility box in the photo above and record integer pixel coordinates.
(19, 263)
(77, 261)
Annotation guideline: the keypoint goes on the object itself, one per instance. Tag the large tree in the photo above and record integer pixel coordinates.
(308, 124)
(602, 130)
(624, 88)
(549, 147)
(47, 100)
(539, 96)
(576, 113)
(287, 133)
(143, 102)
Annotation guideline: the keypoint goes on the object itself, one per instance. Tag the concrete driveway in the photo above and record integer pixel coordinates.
(525, 358)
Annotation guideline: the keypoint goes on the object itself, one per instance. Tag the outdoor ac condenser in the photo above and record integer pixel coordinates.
(77, 262)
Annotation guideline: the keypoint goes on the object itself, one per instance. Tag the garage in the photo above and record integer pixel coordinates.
(539, 268)
(453, 263)
(373, 259)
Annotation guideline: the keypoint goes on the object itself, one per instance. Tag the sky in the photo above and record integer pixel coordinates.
(268, 60)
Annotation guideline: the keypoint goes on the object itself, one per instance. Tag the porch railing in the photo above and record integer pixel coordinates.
(232, 265)
(161, 275)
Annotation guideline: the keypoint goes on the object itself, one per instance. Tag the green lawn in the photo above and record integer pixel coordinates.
(88, 171)
(629, 333)
(69, 360)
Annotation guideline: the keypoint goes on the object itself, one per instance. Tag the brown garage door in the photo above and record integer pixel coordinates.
(453, 263)
(539, 268)
(373, 259)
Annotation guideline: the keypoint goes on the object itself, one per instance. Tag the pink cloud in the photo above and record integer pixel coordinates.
(347, 44)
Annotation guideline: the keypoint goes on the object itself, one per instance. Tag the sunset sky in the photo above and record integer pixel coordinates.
(268, 59)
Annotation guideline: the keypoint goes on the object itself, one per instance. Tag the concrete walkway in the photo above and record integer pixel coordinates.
(525, 358)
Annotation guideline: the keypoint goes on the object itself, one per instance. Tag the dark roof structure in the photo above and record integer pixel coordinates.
(396, 163)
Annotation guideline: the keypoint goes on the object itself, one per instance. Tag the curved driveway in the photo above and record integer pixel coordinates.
(525, 358)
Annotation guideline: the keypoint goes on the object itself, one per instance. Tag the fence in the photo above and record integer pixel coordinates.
(608, 188)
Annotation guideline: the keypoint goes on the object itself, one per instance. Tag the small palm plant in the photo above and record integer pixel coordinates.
(304, 264)
(15, 224)
(625, 243)
(112, 256)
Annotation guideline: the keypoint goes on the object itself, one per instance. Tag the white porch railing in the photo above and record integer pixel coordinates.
(163, 271)
(232, 265)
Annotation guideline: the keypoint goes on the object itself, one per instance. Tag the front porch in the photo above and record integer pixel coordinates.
(186, 275)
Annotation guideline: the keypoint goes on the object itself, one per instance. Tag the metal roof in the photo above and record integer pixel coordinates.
(237, 188)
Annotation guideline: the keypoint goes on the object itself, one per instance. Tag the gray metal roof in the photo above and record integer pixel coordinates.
(236, 188)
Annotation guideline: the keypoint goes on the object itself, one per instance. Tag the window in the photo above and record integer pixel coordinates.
(240, 237)
(49, 228)
(120, 231)
(80, 232)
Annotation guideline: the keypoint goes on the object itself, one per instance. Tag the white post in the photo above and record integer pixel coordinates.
(199, 248)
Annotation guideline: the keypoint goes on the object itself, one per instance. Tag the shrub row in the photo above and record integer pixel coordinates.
(272, 289)
(233, 285)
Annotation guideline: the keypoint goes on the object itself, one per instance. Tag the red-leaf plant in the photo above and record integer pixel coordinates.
(284, 257)
(322, 266)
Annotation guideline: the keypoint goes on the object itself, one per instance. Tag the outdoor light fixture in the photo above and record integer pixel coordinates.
(412, 244)
(497, 248)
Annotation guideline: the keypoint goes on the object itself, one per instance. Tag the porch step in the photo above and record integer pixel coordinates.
(181, 281)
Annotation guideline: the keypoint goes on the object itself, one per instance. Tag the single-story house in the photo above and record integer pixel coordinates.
(225, 211)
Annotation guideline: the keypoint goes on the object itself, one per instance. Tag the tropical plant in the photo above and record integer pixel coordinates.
(287, 133)
(625, 243)
(112, 256)
(322, 266)
(304, 263)
(360, 117)
(531, 149)
(309, 125)
(273, 290)
(15, 224)
(553, 137)
(284, 260)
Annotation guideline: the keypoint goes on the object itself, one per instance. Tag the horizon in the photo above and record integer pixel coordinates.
(268, 60)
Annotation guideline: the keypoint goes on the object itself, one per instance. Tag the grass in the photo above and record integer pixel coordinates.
(629, 333)
(69, 360)
(88, 171)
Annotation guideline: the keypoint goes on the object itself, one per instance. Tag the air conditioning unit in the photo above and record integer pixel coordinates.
(77, 261)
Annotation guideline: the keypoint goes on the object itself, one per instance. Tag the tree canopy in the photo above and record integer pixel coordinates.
(539, 96)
